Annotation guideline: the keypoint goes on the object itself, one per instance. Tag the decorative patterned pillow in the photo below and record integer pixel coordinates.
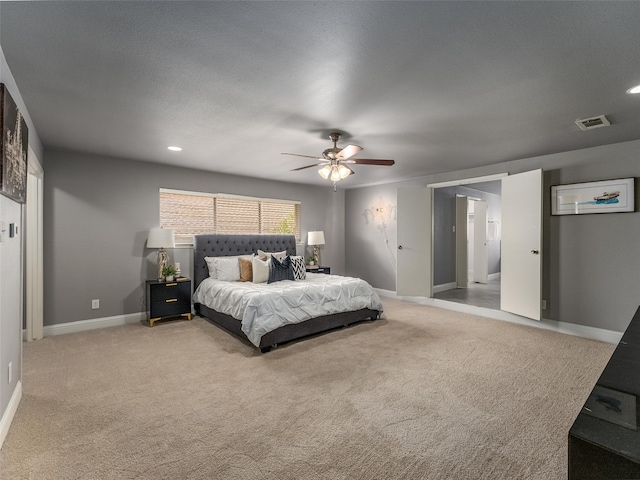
(246, 269)
(267, 255)
(298, 267)
(280, 269)
(260, 269)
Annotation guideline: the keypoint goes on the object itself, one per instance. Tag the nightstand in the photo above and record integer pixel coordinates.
(326, 270)
(168, 300)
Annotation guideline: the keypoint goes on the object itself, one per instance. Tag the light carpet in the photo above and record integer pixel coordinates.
(424, 393)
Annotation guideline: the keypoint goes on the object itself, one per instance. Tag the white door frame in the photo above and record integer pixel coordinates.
(34, 311)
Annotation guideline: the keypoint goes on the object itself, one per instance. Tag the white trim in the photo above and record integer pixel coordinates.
(493, 276)
(228, 195)
(10, 412)
(257, 199)
(593, 333)
(188, 192)
(466, 181)
(444, 287)
(93, 323)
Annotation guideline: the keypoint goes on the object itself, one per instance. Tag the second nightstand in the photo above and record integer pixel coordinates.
(326, 270)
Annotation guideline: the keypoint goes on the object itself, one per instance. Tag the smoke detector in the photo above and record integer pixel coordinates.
(593, 122)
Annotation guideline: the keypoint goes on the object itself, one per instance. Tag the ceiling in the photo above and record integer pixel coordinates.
(437, 86)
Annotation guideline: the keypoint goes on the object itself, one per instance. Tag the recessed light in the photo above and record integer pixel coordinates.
(633, 90)
(175, 149)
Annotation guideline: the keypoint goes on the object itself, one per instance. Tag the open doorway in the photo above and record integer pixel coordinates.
(467, 250)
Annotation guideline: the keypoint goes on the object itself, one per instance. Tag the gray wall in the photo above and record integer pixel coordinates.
(591, 263)
(11, 265)
(444, 238)
(98, 211)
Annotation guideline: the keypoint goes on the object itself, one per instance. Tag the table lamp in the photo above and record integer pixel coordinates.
(316, 239)
(161, 238)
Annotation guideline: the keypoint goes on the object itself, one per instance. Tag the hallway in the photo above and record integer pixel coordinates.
(477, 294)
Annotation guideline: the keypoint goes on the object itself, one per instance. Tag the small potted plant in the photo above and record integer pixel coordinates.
(312, 260)
(169, 272)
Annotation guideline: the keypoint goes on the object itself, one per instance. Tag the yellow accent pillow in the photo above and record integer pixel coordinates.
(246, 269)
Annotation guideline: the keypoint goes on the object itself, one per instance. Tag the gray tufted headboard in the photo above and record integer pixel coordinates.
(225, 245)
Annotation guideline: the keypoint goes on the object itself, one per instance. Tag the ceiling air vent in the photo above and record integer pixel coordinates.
(593, 122)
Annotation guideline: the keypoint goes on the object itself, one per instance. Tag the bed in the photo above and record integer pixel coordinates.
(211, 301)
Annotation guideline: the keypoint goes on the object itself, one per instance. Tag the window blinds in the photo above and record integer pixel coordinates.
(193, 213)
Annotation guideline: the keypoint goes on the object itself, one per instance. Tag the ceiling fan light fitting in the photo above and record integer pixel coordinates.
(335, 174)
(344, 171)
(325, 171)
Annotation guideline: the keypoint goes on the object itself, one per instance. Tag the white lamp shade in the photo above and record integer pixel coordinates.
(160, 238)
(316, 238)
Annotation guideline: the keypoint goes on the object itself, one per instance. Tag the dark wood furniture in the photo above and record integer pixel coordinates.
(168, 300)
(604, 441)
(326, 270)
(217, 245)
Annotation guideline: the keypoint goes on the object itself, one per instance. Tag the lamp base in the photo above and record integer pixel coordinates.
(163, 260)
(316, 253)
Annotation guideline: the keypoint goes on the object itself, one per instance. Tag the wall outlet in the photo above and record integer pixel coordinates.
(95, 304)
(544, 304)
(9, 375)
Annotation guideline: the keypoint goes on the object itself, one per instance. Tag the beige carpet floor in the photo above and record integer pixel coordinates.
(423, 394)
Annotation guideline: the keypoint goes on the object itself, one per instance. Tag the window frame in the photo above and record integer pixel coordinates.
(214, 196)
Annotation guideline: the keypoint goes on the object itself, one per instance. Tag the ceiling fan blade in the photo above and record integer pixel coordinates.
(308, 166)
(348, 151)
(371, 161)
(299, 155)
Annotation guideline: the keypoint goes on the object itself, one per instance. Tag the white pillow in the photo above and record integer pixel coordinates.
(227, 269)
(260, 269)
(212, 264)
(267, 255)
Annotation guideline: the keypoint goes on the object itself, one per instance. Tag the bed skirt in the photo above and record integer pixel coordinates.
(288, 332)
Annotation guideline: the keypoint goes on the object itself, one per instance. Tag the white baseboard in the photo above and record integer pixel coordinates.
(93, 323)
(10, 412)
(593, 333)
(493, 276)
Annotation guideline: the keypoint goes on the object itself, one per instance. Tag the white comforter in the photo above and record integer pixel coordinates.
(263, 307)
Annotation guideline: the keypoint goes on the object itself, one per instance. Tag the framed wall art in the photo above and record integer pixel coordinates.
(608, 196)
(15, 145)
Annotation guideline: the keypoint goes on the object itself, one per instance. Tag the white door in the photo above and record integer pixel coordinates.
(462, 264)
(521, 244)
(480, 253)
(34, 248)
(414, 242)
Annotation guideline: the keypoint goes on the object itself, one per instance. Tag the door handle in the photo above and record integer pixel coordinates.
(399, 247)
(535, 252)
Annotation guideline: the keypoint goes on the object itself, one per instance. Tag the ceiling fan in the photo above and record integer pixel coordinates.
(334, 161)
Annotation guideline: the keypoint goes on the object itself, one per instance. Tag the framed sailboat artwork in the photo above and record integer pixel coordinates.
(608, 196)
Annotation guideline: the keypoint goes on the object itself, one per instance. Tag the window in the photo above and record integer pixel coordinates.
(194, 213)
